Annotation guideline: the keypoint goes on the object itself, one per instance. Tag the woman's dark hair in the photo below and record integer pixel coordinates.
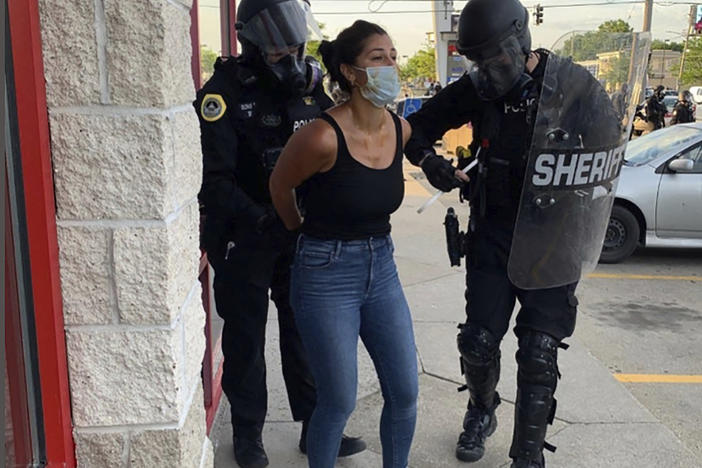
(346, 48)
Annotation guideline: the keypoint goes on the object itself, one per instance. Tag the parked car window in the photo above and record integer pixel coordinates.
(695, 154)
(644, 150)
(669, 102)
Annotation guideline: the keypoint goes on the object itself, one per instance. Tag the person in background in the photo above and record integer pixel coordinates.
(655, 109)
(619, 100)
(344, 279)
(684, 110)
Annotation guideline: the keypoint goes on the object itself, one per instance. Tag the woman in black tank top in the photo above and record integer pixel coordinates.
(344, 282)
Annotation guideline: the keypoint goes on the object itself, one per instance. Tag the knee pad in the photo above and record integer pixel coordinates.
(477, 345)
(537, 359)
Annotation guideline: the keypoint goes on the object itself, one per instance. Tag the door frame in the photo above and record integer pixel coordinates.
(37, 180)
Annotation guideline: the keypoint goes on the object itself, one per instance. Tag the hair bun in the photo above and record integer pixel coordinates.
(326, 47)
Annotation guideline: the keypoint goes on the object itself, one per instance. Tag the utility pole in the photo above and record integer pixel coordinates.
(648, 16)
(690, 25)
(443, 12)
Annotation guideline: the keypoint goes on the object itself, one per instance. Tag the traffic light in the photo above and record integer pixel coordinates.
(539, 14)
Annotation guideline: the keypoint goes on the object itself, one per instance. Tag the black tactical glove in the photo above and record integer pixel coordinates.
(440, 173)
(271, 227)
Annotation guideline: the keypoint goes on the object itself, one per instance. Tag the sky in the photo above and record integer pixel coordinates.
(408, 30)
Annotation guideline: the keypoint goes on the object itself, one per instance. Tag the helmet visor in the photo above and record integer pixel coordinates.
(496, 75)
(277, 28)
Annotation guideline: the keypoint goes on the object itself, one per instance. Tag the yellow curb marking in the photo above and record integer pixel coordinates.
(643, 277)
(658, 378)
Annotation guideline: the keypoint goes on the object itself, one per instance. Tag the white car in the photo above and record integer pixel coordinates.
(659, 196)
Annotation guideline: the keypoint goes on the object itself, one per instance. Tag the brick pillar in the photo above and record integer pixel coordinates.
(127, 167)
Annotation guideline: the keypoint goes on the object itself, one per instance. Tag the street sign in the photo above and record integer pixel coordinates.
(412, 105)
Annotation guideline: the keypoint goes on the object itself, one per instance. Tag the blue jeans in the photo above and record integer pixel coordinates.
(341, 290)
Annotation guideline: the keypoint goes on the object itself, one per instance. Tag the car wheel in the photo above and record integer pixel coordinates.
(622, 235)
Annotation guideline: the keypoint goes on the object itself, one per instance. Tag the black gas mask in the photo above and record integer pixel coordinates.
(291, 71)
(502, 75)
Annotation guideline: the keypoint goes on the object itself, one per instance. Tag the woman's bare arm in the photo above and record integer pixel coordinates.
(309, 151)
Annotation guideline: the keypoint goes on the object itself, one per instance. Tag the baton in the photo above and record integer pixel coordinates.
(439, 192)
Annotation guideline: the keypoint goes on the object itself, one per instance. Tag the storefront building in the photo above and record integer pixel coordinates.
(107, 307)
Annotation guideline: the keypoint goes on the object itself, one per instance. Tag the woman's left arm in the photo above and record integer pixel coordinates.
(406, 131)
(310, 150)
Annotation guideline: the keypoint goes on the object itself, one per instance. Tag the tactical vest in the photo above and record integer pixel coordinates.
(263, 120)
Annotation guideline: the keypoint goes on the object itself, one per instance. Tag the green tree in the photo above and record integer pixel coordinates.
(611, 36)
(615, 26)
(421, 65)
(313, 47)
(692, 69)
(208, 57)
(657, 44)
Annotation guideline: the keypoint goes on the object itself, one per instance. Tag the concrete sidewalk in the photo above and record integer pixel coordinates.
(598, 422)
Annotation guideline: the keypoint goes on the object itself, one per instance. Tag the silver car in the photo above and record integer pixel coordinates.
(659, 196)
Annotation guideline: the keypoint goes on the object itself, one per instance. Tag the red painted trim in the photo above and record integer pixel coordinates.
(211, 412)
(195, 42)
(233, 45)
(207, 360)
(41, 229)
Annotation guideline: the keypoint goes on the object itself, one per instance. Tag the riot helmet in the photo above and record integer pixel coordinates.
(274, 32)
(659, 92)
(494, 35)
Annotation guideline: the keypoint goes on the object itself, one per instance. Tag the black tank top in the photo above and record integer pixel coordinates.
(351, 200)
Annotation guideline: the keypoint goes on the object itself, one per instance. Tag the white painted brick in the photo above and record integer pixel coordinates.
(155, 268)
(110, 167)
(102, 450)
(148, 53)
(123, 377)
(194, 339)
(208, 456)
(69, 52)
(86, 279)
(181, 447)
(142, 275)
(184, 256)
(185, 167)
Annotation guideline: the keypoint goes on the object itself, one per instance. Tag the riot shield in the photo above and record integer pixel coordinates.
(576, 153)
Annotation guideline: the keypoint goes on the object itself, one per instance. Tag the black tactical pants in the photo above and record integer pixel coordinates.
(490, 295)
(241, 284)
(546, 317)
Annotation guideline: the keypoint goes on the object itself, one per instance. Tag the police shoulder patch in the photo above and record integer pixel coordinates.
(212, 107)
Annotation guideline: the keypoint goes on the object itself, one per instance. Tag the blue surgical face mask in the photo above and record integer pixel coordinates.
(383, 85)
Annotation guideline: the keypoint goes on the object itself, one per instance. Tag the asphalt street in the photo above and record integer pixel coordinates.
(631, 393)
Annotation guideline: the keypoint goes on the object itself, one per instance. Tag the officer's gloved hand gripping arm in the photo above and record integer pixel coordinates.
(450, 108)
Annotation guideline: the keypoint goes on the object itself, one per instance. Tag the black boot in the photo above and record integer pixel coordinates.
(478, 424)
(349, 445)
(480, 364)
(524, 463)
(249, 452)
(535, 406)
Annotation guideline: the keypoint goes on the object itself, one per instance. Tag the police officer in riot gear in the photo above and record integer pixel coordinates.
(683, 111)
(500, 97)
(655, 109)
(247, 110)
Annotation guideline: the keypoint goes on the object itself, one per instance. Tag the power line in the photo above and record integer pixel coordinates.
(662, 3)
